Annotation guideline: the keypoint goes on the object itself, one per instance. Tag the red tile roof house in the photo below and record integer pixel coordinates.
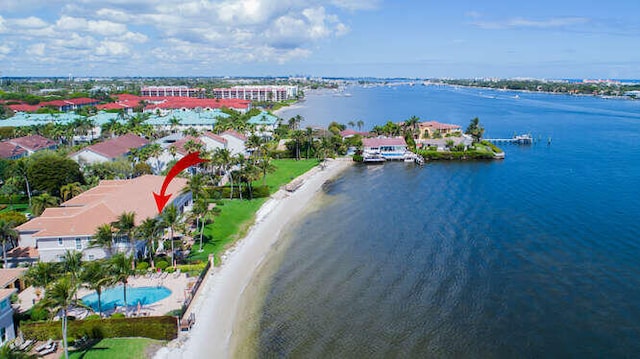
(390, 148)
(72, 225)
(11, 151)
(34, 143)
(430, 127)
(110, 149)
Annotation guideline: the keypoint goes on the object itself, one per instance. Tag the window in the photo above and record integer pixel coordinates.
(59, 241)
(3, 335)
(78, 243)
(3, 304)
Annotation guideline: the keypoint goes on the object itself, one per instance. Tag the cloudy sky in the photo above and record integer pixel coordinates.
(383, 38)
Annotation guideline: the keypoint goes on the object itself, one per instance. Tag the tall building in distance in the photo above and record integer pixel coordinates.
(172, 91)
(257, 93)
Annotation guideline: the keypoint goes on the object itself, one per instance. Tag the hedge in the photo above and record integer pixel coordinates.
(224, 192)
(161, 328)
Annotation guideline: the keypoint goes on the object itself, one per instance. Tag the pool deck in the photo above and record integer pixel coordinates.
(178, 283)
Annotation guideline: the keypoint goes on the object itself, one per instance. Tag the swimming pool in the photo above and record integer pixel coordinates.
(115, 296)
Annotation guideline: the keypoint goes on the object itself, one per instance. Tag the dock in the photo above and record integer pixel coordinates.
(525, 139)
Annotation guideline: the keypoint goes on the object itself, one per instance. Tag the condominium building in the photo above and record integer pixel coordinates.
(165, 91)
(257, 93)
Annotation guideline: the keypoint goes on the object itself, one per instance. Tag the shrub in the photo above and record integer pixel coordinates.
(358, 158)
(93, 317)
(142, 266)
(161, 328)
(38, 313)
(162, 265)
(170, 270)
(117, 315)
(261, 191)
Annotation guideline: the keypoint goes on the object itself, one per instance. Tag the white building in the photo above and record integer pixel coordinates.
(7, 330)
(257, 93)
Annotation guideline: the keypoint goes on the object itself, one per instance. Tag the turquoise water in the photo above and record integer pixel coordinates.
(532, 256)
(115, 297)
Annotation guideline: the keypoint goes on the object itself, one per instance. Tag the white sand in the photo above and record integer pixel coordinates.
(217, 305)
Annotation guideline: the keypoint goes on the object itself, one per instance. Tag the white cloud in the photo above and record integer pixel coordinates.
(519, 22)
(112, 48)
(36, 49)
(4, 51)
(200, 31)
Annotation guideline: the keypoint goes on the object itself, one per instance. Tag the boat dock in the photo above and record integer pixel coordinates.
(525, 139)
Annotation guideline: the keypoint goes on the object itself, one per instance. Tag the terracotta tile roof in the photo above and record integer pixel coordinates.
(6, 293)
(175, 102)
(23, 107)
(438, 125)
(33, 143)
(10, 275)
(383, 141)
(215, 137)
(234, 134)
(81, 215)
(23, 252)
(9, 150)
(117, 147)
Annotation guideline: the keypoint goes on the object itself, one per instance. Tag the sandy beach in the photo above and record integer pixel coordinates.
(218, 303)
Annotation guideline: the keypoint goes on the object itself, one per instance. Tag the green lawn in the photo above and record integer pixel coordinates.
(121, 348)
(237, 215)
(20, 207)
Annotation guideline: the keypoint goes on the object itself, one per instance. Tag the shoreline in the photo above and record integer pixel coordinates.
(218, 306)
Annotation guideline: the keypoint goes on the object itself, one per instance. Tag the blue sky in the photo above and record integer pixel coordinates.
(381, 38)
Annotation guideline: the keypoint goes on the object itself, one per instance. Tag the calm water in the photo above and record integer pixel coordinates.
(534, 256)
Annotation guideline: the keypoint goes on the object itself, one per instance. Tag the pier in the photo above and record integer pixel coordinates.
(525, 139)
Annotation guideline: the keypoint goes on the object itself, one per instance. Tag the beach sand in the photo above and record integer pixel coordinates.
(218, 305)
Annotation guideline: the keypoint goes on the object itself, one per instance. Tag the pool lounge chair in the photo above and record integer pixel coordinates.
(50, 350)
(45, 346)
(26, 344)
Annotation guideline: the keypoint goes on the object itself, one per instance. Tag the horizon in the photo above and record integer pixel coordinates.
(320, 38)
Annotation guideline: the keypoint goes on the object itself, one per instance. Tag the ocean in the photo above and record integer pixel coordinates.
(537, 255)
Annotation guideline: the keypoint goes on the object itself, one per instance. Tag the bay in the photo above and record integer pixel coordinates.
(533, 256)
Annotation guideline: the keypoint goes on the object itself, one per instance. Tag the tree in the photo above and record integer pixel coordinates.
(42, 202)
(72, 264)
(309, 135)
(265, 166)
(96, 276)
(59, 298)
(41, 274)
(200, 207)
(360, 124)
(48, 172)
(70, 190)
(6, 232)
(121, 269)
(20, 169)
(149, 230)
(475, 130)
(125, 224)
(170, 218)
(103, 238)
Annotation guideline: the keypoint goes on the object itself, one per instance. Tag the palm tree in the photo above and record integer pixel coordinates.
(265, 166)
(41, 202)
(58, 299)
(103, 238)
(7, 352)
(309, 134)
(125, 224)
(475, 130)
(41, 274)
(72, 264)
(155, 150)
(174, 123)
(20, 168)
(96, 276)
(199, 210)
(170, 219)
(149, 230)
(121, 270)
(298, 137)
(195, 185)
(6, 232)
(70, 190)
(225, 158)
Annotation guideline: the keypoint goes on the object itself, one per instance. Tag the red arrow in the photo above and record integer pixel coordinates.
(185, 162)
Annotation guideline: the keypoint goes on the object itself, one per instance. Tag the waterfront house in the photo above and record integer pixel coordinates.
(110, 149)
(72, 225)
(430, 128)
(390, 148)
(265, 123)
